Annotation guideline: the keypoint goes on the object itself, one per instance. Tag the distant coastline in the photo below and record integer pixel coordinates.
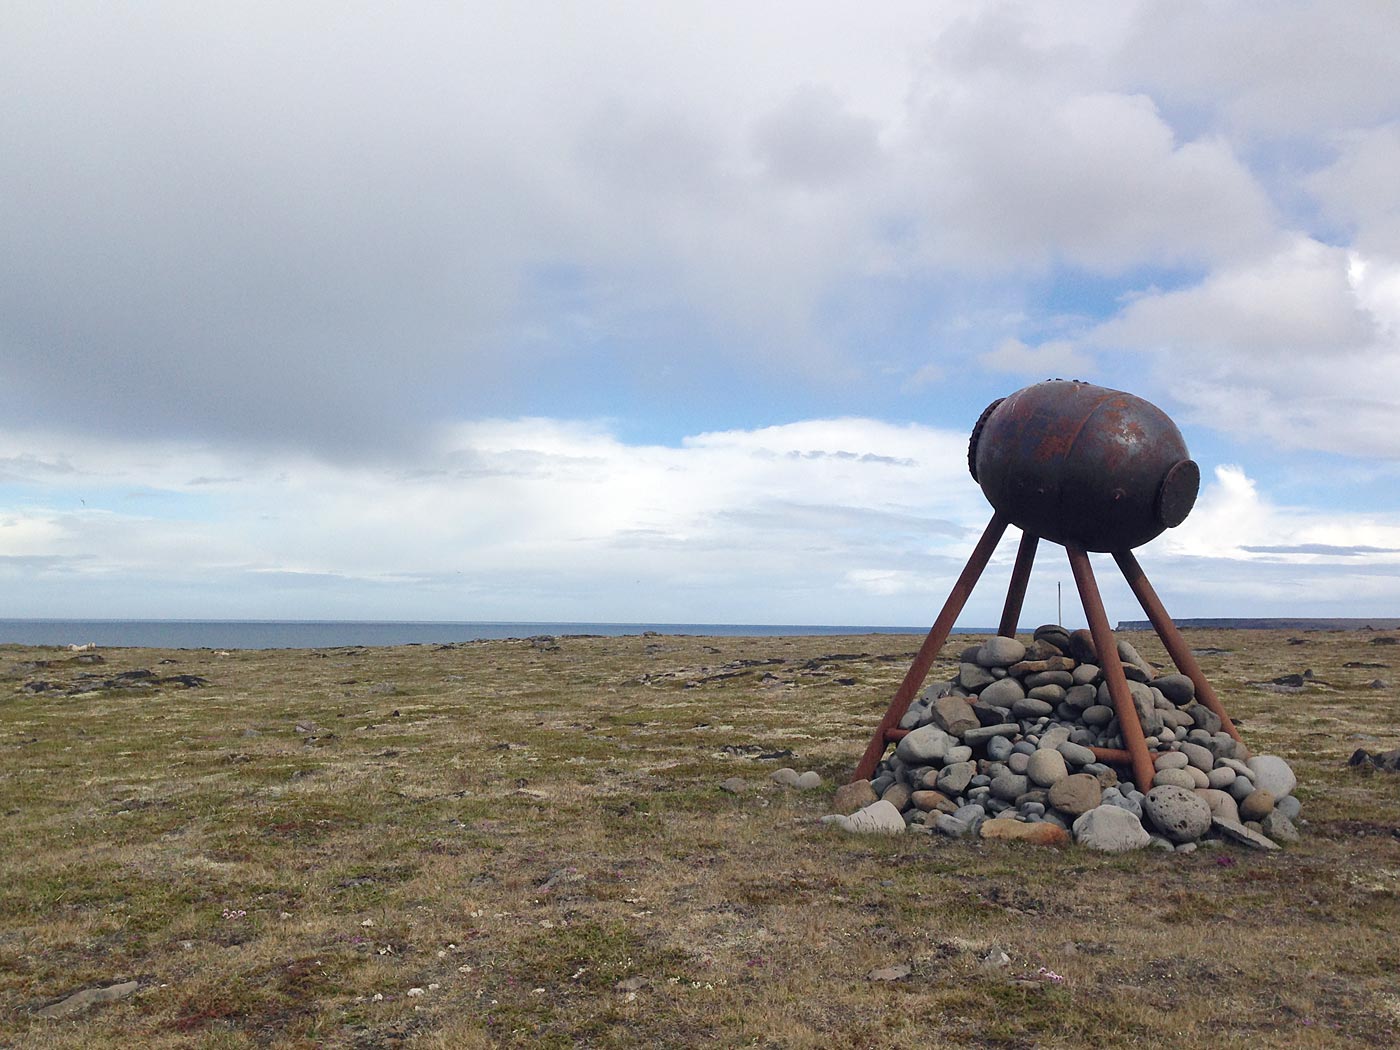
(327, 634)
(1300, 623)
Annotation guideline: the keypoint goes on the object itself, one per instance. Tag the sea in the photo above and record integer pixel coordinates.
(326, 634)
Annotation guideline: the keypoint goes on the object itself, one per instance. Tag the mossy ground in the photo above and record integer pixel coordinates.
(533, 833)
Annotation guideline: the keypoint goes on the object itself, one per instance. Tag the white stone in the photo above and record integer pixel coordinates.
(1273, 775)
(1110, 830)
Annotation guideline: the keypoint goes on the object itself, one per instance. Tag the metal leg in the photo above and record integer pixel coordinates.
(942, 627)
(1112, 667)
(1171, 637)
(1016, 593)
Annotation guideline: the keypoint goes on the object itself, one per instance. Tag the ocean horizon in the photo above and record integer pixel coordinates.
(323, 634)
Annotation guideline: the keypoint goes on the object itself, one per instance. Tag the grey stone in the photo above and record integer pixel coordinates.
(1123, 802)
(1179, 777)
(954, 715)
(1097, 715)
(1029, 708)
(1289, 806)
(917, 715)
(878, 818)
(1076, 754)
(882, 783)
(1054, 737)
(1279, 828)
(1171, 760)
(970, 812)
(1204, 718)
(954, 779)
(1046, 768)
(1110, 829)
(80, 1001)
(1001, 652)
(1199, 756)
(897, 972)
(1221, 777)
(808, 781)
(734, 785)
(1019, 761)
(1239, 833)
(1003, 693)
(1240, 789)
(1177, 688)
(974, 677)
(857, 795)
(999, 749)
(1177, 812)
(923, 745)
(1257, 805)
(985, 733)
(787, 776)
(1131, 657)
(1220, 803)
(1050, 694)
(1075, 794)
(961, 753)
(1062, 679)
(1272, 774)
(1009, 787)
(1085, 674)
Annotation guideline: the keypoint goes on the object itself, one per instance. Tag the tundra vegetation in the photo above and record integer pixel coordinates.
(526, 843)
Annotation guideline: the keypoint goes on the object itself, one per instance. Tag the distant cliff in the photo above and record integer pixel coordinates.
(1239, 623)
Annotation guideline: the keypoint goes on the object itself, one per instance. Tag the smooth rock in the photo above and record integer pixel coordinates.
(734, 785)
(1000, 652)
(951, 826)
(1127, 803)
(786, 776)
(809, 780)
(923, 745)
(1199, 756)
(1180, 777)
(1204, 718)
(954, 715)
(1009, 787)
(1221, 777)
(1029, 708)
(961, 753)
(1177, 688)
(80, 1001)
(1003, 693)
(1220, 803)
(897, 795)
(1177, 812)
(1243, 835)
(1076, 754)
(1046, 767)
(1040, 833)
(897, 972)
(974, 677)
(1054, 737)
(1289, 806)
(985, 733)
(1076, 794)
(1019, 761)
(1279, 828)
(1273, 775)
(1097, 715)
(928, 799)
(857, 795)
(878, 818)
(1110, 829)
(1171, 760)
(998, 749)
(1257, 805)
(954, 779)
(1063, 679)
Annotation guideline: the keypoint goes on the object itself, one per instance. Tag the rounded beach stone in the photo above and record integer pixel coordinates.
(1198, 756)
(923, 745)
(1171, 760)
(1257, 805)
(1110, 829)
(878, 818)
(1289, 806)
(1001, 652)
(1019, 761)
(1179, 777)
(954, 715)
(974, 677)
(1279, 828)
(1010, 786)
(1027, 707)
(928, 799)
(998, 749)
(1177, 812)
(1076, 794)
(1046, 767)
(897, 795)
(1003, 693)
(1221, 804)
(809, 780)
(1063, 679)
(1097, 715)
(1076, 754)
(786, 776)
(1273, 775)
(856, 795)
(954, 779)
(1221, 777)
(1177, 688)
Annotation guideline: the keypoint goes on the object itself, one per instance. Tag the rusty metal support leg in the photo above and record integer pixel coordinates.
(1107, 647)
(1171, 637)
(942, 627)
(1016, 593)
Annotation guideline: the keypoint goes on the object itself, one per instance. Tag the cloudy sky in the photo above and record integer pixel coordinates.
(679, 313)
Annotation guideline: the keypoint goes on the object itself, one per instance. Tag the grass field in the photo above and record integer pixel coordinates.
(524, 843)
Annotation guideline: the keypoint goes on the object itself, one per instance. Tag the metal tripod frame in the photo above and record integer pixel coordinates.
(1134, 753)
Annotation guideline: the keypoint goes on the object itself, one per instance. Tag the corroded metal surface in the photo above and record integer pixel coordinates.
(1083, 465)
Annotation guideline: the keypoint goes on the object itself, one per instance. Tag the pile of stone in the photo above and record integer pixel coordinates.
(1002, 751)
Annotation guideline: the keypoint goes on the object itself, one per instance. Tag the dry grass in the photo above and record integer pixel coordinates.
(535, 837)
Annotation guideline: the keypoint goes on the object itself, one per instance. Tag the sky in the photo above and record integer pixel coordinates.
(638, 312)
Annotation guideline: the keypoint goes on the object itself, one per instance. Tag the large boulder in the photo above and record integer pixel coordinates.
(1110, 829)
(1272, 774)
(1177, 812)
(923, 746)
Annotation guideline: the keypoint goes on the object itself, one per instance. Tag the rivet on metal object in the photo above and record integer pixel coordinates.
(1091, 469)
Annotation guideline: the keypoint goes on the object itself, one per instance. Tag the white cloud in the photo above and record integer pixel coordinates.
(1056, 359)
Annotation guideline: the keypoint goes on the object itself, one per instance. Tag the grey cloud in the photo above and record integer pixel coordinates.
(814, 140)
(1322, 548)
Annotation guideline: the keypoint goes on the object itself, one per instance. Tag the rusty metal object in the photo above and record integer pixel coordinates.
(1128, 724)
(1020, 577)
(1083, 465)
(1172, 640)
(928, 652)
